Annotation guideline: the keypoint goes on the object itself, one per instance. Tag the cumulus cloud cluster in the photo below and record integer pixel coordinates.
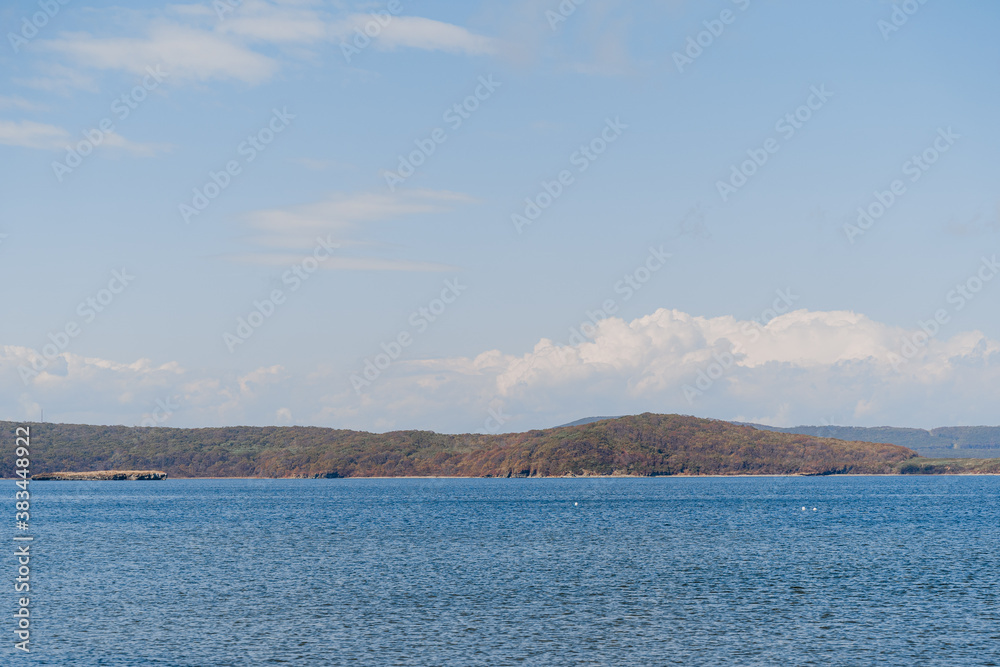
(802, 367)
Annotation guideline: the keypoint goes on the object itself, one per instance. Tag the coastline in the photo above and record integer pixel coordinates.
(566, 477)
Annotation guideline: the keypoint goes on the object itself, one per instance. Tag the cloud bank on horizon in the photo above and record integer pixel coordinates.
(800, 367)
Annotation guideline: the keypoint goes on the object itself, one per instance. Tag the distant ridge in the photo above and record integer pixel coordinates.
(954, 442)
(587, 420)
(944, 442)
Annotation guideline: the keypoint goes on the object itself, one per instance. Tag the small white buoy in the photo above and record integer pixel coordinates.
(575, 504)
(814, 509)
(803, 509)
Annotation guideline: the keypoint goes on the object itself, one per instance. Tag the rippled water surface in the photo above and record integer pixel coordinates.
(692, 571)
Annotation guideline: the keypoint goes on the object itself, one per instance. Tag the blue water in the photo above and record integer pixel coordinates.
(669, 571)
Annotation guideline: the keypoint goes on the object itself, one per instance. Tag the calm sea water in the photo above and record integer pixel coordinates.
(886, 570)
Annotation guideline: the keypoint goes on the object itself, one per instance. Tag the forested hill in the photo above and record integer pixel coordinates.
(646, 444)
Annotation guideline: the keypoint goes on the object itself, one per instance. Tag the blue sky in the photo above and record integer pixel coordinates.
(500, 354)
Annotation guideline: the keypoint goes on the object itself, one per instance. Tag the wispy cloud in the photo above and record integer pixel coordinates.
(186, 53)
(117, 141)
(59, 79)
(426, 34)
(319, 165)
(589, 38)
(193, 44)
(345, 263)
(29, 134)
(343, 218)
(258, 21)
(340, 211)
(19, 103)
(41, 136)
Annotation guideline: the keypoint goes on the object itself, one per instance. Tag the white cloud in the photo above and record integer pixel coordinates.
(342, 218)
(199, 11)
(16, 102)
(265, 22)
(60, 79)
(429, 35)
(340, 211)
(194, 44)
(29, 134)
(802, 368)
(183, 52)
(115, 140)
(344, 263)
(590, 38)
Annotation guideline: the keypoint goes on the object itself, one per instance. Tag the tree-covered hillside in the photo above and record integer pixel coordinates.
(646, 444)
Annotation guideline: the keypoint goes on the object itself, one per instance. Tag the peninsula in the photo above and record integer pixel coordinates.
(640, 445)
(102, 475)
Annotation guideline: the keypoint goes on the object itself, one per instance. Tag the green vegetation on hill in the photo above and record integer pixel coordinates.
(646, 444)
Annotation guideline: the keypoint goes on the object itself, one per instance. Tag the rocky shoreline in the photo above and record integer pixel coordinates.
(103, 475)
